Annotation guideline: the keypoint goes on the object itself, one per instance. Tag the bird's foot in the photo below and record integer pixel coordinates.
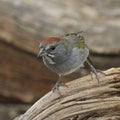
(57, 85)
(95, 72)
(100, 71)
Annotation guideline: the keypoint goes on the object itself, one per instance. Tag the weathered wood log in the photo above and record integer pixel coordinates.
(83, 99)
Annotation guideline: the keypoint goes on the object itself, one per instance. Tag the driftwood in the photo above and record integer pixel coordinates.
(83, 99)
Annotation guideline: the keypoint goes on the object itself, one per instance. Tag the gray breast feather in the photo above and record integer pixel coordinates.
(74, 62)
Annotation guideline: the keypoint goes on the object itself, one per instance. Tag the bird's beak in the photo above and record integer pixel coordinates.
(41, 53)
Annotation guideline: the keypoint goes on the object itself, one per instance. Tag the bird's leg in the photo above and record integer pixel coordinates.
(58, 84)
(97, 70)
(93, 70)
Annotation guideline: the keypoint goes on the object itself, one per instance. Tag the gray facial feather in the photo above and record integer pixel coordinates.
(60, 53)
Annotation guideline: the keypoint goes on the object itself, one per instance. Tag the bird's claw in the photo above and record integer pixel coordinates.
(100, 72)
(95, 71)
(57, 85)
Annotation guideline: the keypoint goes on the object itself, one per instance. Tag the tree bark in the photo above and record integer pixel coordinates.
(83, 99)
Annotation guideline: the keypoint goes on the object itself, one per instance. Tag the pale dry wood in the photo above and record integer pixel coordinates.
(83, 99)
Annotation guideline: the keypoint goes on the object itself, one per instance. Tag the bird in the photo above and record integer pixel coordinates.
(65, 55)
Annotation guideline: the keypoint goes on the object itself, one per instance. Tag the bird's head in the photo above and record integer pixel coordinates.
(53, 48)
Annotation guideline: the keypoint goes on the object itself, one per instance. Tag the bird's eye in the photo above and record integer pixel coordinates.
(52, 48)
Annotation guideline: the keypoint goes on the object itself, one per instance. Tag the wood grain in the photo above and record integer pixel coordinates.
(83, 99)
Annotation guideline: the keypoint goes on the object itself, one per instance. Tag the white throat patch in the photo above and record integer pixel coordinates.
(49, 59)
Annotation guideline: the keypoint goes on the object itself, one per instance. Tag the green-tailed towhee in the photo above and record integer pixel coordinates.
(65, 55)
